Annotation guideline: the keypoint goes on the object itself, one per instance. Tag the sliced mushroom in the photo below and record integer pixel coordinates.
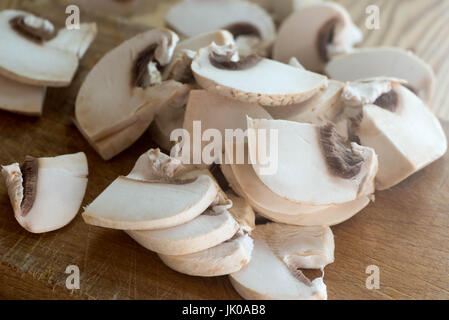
(242, 213)
(406, 135)
(226, 258)
(323, 107)
(286, 85)
(250, 25)
(385, 61)
(279, 253)
(34, 54)
(314, 33)
(21, 98)
(206, 231)
(46, 193)
(130, 74)
(316, 168)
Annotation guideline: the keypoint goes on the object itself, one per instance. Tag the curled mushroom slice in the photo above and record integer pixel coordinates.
(315, 168)
(314, 33)
(225, 258)
(130, 204)
(34, 55)
(46, 193)
(286, 85)
(323, 107)
(130, 74)
(279, 252)
(206, 231)
(385, 61)
(21, 98)
(406, 136)
(250, 25)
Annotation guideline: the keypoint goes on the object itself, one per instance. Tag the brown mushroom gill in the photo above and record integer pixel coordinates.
(297, 273)
(141, 74)
(29, 171)
(35, 34)
(243, 29)
(340, 159)
(388, 101)
(224, 62)
(326, 37)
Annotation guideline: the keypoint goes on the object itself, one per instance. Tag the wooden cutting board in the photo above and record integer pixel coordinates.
(405, 232)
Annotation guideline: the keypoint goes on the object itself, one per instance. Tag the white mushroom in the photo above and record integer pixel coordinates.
(21, 98)
(46, 193)
(314, 33)
(34, 54)
(226, 258)
(315, 168)
(403, 131)
(251, 26)
(112, 122)
(216, 69)
(280, 251)
(385, 61)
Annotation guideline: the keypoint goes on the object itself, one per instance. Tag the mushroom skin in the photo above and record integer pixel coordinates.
(46, 193)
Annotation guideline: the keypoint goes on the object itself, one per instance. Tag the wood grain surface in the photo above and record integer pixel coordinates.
(405, 232)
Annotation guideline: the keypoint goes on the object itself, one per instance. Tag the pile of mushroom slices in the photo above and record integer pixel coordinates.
(46, 193)
(36, 57)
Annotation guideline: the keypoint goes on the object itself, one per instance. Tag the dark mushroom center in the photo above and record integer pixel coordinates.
(243, 29)
(325, 38)
(388, 101)
(225, 62)
(35, 34)
(141, 74)
(341, 159)
(29, 171)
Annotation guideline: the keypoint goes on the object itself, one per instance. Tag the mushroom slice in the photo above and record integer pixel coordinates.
(314, 33)
(225, 258)
(76, 41)
(130, 204)
(250, 25)
(279, 252)
(46, 193)
(206, 231)
(315, 168)
(35, 55)
(323, 107)
(216, 69)
(385, 61)
(406, 136)
(242, 213)
(21, 98)
(129, 73)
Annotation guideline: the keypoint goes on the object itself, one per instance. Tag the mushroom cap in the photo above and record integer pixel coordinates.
(385, 61)
(58, 191)
(286, 85)
(405, 141)
(225, 258)
(129, 204)
(299, 34)
(21, 98)
(194, 17)
(114, 121)
(30, 62)
(204, 232)
(270, 277)
(303, 173)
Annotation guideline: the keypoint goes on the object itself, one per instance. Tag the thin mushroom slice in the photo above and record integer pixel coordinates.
(274, 272)
(21, 98)
(32, 56)
(385, 62)
(406, 136)
(323, 107)
(330, 31)
(252, 28)
(130, 74)
(226, 258)
(46, 193)
(216, 69)
(315, 168)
